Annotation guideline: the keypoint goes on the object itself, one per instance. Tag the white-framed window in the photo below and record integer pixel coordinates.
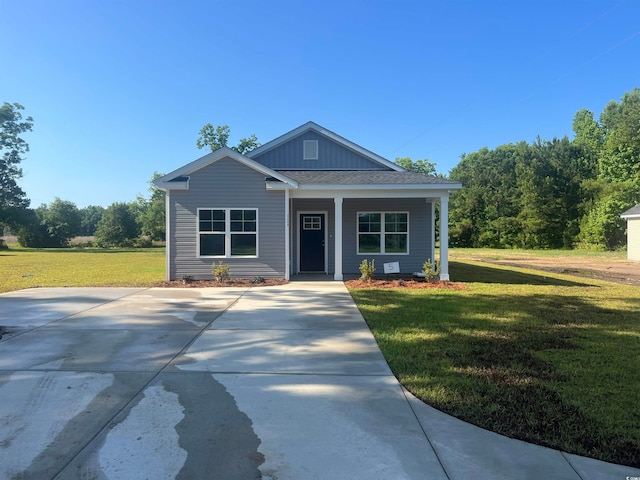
(310, 149)
(227, 232)
(381, 233)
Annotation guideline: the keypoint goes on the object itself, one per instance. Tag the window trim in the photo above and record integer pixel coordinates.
(227, 232)
(382, 232)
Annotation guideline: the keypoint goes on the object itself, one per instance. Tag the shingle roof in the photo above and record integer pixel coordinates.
(633, 211)
(362, 177)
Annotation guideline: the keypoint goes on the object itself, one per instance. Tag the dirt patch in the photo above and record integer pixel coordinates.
(413, 284)
(613, 270)
(235, 282)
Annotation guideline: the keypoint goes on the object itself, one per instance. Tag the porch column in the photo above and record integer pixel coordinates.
(338, 238)
(444, 238)
(287, 236)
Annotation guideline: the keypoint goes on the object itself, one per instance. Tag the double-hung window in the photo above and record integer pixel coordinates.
(227, 232)
(383, 233)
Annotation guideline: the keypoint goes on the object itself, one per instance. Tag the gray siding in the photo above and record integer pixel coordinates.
(331, 156)
(227, 184)
(419, 233)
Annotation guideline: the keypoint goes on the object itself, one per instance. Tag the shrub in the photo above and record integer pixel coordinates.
(367, 269)
(431, 270)
(221, 272)
(143, 241)
(3, 245)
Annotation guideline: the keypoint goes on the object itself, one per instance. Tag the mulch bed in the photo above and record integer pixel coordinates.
(234, 282)
(412, 284)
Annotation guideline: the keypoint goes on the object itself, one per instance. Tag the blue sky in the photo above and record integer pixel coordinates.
(119, 89)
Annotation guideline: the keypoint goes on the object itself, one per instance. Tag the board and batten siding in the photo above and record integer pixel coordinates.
(633, 238)
(420, 224)
(331, 156)
(227, 184)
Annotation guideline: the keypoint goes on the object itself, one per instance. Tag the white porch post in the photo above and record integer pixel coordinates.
(287, 235)
(444, 238)
(338, 239)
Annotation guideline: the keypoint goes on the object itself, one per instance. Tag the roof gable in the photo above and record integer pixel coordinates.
(633, 212)
(335, 152)
(179, 179)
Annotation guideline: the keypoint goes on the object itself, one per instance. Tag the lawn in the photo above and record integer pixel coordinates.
(71, 267)
(547, 358)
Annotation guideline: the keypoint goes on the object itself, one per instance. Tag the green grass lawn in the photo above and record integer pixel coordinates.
(551, 359)
(69, 267)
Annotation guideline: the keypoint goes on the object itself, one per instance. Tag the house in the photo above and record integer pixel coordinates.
(309, 201)
(632, 216)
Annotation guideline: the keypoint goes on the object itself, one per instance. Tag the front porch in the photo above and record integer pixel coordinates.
(325, 237)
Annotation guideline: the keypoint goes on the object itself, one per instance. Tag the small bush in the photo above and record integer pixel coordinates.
(3, 245)
(143, 241)
(257, 280)
(186, 279)
(367, 269)
(221, 272)
(431, 270)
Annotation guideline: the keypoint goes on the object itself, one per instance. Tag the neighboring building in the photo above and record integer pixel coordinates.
(632, 216)
(309, 201)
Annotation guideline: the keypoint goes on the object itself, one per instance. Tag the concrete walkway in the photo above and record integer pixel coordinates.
(273, 383)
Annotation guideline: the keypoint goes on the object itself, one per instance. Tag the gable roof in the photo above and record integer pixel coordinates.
(633, 212)
(179, 179)
(332, 136)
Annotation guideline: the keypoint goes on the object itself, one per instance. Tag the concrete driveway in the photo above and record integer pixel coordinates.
(274, 383)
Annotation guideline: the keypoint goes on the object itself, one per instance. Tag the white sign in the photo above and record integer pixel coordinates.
(392, 267)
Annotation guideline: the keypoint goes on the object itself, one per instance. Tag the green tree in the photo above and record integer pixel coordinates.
(90, 216)
(218, 137)
(419, 166)
(13, 200)
(62, 221)
(151, 212)
(117, 227)
(620, 156)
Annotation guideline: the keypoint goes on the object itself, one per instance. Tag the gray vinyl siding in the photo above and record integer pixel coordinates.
(313, 205)
(227, 184)
(420, 224)
(331, 156)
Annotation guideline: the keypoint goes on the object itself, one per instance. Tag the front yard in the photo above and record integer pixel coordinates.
(547, 358)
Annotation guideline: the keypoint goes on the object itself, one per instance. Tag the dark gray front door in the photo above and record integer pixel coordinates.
(312, 242)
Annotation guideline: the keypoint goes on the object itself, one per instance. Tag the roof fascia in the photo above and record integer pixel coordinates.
(165, 183)
(391, 187)
(329, 134)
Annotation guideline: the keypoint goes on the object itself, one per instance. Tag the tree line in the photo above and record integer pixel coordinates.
(558, 193)
(121, 224)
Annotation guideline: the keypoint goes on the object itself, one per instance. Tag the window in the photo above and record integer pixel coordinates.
(312, 223)
(310, 150)
(227, 232)
(383, 233)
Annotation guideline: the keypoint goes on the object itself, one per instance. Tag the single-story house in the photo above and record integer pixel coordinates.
(309, 201)
(632, 216)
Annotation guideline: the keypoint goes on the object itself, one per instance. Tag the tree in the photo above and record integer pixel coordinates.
(218, 137)
(90, 216)
(117, 227)
(151, 212)
(12, 148)
(62, 220)
(419, 166)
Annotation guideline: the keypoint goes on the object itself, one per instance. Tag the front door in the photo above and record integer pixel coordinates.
(312, 242)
